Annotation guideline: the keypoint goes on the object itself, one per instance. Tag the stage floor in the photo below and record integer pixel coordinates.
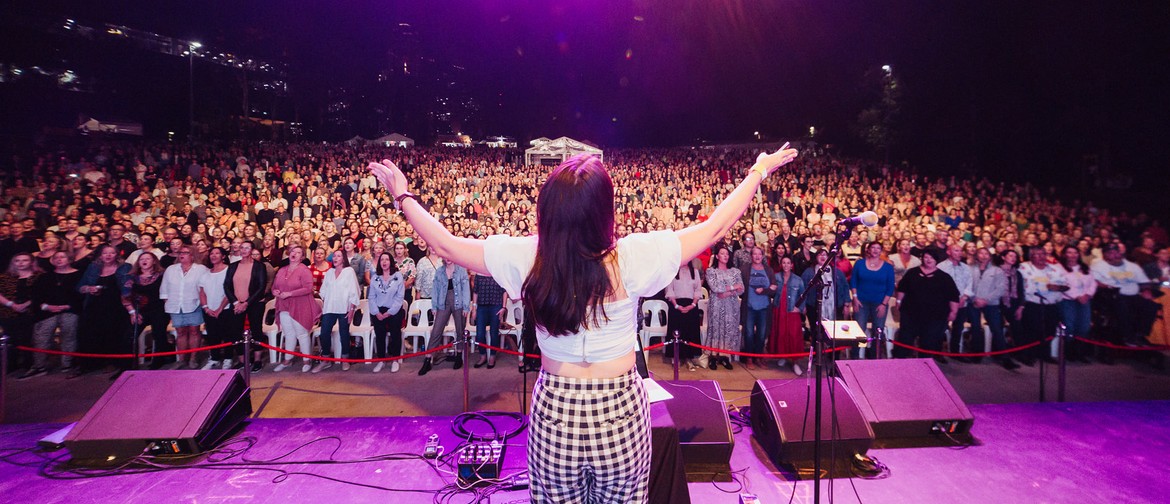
(1036, 453)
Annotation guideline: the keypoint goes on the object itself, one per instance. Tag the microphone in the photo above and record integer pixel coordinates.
(867, 218)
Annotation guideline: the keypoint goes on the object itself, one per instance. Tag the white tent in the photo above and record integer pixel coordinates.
(356, 140)
(394, 140)
(557, 151)
(112, 127)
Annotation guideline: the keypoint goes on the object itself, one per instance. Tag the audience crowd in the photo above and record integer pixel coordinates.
(190, 243)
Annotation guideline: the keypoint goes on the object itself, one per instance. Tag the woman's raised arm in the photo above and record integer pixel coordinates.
(466, 252)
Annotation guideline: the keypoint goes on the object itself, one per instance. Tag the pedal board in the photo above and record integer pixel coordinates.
(480, 461)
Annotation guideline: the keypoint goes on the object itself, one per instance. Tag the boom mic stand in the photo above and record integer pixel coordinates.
(820, 336)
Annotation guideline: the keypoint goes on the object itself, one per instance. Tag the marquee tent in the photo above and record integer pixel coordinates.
(394, 140)
(557, 151)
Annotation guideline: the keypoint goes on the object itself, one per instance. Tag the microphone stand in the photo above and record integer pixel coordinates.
(820, 337)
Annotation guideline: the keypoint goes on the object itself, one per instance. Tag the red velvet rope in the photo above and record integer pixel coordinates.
(977, 354)
(125, 356)
(509, 352)
(1122, 347)
(353, 361)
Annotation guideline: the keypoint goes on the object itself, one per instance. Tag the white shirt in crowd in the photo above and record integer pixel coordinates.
(181, 290)
(1036, 282)
(339, 292)
(1127, 276)
(212, 286)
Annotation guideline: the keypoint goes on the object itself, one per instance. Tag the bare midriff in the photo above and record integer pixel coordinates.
(606, 369)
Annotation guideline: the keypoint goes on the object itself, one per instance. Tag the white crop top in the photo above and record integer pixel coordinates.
(647, 263)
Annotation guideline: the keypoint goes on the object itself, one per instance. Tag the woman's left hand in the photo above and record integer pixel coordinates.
(389, 176)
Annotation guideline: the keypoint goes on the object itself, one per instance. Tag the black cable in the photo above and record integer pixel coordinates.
(459, 425)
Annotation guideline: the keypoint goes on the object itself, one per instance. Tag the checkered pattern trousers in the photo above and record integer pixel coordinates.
(589, 440)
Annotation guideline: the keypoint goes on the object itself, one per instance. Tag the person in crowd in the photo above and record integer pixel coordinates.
(872, 288)
(82, 252)
(244, 287)
(726, 285)
(760, 282)
(452, 299)
(902, 259)
(57, 303)
(929, 300)
(50, 245)
(682, 297)
(1013, 300)
(406, 266)
(340, 294)
(1076, 307)
(386, 297)
(576, 254)
(956, 266)
(213, 299)
(180, 294)
(989, 288)
(105, 323)
(356, 260)
(1044, 284)
(487, 308)
(319, 268)
(1126, 298)
(787, 333)
(832, 293)
(145, 306)
(424, 273)
(296, 310)
(120, 243)
(17, 315)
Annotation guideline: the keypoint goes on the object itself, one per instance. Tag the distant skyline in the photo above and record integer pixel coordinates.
(996, 86)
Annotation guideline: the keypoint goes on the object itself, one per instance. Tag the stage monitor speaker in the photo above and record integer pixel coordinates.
(161, 413)
(704, 429)
(784, 422)
(906, 398)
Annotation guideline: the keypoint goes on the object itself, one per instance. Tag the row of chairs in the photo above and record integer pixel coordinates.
(415, 334)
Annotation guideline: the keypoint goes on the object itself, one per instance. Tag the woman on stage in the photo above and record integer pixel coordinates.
(590, 434)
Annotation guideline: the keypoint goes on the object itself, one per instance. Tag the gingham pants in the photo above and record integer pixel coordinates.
(589, 440)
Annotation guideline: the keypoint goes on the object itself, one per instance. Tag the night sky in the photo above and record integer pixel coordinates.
(998, 85)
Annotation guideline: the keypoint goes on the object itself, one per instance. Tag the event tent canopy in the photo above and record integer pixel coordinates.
(557, 151)
(394, 140)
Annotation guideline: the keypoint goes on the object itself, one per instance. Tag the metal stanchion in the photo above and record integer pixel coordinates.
(466, 352)
(3, 373)
(1061, 337)
(248, 357)
(880, 337)
(676, 343)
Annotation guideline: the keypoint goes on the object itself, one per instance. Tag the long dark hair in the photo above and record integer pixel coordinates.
(574, 219)
(1080, 261)
(378, 262)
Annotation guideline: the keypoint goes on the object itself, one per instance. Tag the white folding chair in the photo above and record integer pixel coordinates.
(513, 323)
(363, 327)
(419, 320)
(270, 329)
(653, 320)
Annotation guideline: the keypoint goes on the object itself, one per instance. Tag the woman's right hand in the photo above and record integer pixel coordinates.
(770, 162)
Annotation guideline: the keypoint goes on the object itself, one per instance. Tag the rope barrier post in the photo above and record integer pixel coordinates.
(1061, 339)
(675, 341)
(1043, 397)
(247, 357)
(3, 372)
(466, 352)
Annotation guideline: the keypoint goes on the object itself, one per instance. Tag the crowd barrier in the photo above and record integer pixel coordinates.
(466, 344)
